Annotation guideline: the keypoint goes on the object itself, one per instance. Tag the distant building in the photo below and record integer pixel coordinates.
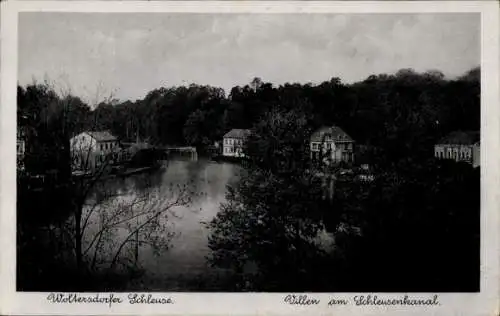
(233, 142)
(460, 146)
(21, 137)
(332, 144)
(20, 148)
(90, 150)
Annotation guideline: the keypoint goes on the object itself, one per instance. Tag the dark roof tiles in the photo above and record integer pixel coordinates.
(237, 133)
(461, 138)
(334, 132)
(103, 136)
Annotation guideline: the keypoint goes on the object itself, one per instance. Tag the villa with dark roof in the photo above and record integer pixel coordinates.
(460, 146)
(233, 142)
(332, 144)
(89, 150)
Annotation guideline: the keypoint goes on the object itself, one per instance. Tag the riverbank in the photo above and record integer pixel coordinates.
(131, 171)
(228, 159)
(116, 172)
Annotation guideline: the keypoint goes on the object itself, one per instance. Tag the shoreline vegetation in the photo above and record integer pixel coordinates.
(418, 213)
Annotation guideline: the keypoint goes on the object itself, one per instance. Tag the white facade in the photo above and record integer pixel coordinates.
(337, 151)
(459, 152)
(89, 153)
(21, 148)
(332, 145)
(233, 147)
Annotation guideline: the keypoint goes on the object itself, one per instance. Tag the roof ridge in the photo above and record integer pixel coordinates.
(461, 137)
(335, 130)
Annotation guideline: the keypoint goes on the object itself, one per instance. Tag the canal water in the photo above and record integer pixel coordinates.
(183, 266)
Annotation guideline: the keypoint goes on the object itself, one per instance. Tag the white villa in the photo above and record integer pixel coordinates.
(233, 142)
(90, 150)
(460, 146)
(335, 145)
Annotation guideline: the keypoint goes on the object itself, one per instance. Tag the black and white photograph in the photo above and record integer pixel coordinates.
(249, 152)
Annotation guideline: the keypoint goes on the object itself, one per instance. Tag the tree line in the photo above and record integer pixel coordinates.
(394, 116)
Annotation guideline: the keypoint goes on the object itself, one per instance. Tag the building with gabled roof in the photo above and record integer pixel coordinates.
(460, 146)
(332, 145)
(233, 142)
(91, 149)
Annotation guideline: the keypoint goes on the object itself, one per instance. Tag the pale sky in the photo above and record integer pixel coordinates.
(130, 54)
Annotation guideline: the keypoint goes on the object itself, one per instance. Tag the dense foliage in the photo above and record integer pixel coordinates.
(417, 229)
(414, 228)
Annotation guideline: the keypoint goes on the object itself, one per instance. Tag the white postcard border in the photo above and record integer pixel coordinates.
(484, 303)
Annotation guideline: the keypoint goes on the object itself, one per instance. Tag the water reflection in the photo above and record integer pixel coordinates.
(206, 182)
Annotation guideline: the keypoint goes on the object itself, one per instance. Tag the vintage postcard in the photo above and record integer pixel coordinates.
(244, 158)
